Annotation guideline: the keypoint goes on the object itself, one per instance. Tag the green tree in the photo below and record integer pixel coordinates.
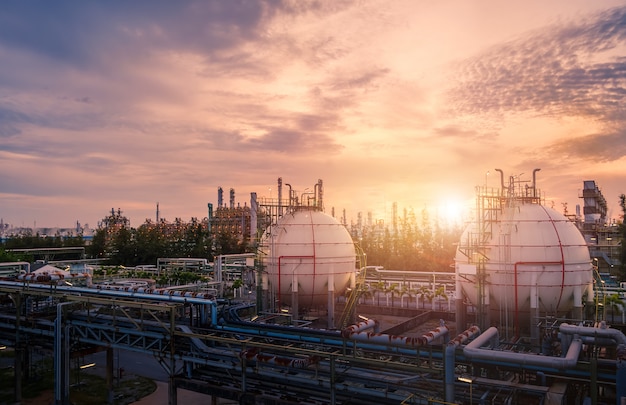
(441, 293)
(378, 288)
(426, 294)
(10, 256)
(98, 248)
(151, 242)
(615, 303)
(123, 248)
(366, 293)
(228, 243)
(198, 239)
(392, 290)
(405, 291)
(107, 243)
(117, 241)
(409, 244)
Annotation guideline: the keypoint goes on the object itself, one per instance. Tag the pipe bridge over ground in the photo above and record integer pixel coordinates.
(205, 347)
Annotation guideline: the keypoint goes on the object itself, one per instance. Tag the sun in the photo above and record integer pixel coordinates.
(451, 212)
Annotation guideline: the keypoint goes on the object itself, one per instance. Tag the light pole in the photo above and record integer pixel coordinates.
(595, 287)
(603, 301)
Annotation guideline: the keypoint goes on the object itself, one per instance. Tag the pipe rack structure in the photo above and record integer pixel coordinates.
(204, 345)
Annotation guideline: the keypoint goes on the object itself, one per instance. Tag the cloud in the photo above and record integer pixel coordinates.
(457, 131)
(295, 142)
(594, 148)
(572, 70)
(126, 103)
(9, 123)
(82, 33)
(576, 69)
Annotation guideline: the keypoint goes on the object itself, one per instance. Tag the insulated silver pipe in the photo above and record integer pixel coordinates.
(474, 350)
(139, 292)
(535, 182)
(614, 334)
(449, 360)
(501, 178)
(400, 341)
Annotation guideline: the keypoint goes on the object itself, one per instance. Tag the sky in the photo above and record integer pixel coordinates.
(118, 104)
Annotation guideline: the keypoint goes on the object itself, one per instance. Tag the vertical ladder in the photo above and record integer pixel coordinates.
(347, 317)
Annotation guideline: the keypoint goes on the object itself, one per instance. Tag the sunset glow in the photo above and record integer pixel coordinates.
(120, 105)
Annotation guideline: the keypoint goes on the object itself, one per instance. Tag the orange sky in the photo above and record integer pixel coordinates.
(123, 105)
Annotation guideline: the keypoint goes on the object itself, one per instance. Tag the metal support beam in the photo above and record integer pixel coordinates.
(61, 358)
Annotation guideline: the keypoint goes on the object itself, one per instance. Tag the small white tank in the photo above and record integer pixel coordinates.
(308, 253)
(534, 259)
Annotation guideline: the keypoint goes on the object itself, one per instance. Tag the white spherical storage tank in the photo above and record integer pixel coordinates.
(534, 261)
(306, 255)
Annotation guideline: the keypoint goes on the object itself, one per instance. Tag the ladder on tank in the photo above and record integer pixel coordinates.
(347, 317)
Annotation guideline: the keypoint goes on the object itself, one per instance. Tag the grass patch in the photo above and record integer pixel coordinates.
(85, 388)
(92, 390)
(7, 353)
